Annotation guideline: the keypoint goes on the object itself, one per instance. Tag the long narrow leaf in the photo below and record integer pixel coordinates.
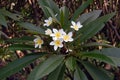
(21, 47)
(3, 20)
(53, 6)
(71, 63)
(10, 15)
(96, 44)
(113, 53)
(18, 64)
(81, 9)
(46, 67)
(97, 56)
(64, 16)
(51, 14)
(89, 17)
(31, 27)
(93, 27)
(50, 4)
(21, 39)
(95, 72)
(58, 73)
(79, 74)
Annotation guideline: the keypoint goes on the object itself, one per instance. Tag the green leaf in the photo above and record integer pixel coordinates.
(31, 27)
(53, 6)
(79, 74)
(21, 39)
(64, 16)
(21, 47)
(3, 20)
(89, 17)
(97, 56)
(51, 14)
(113, 53)
(71, 63)
(18, 64)
(115, 60)
(10, 15)
(58, 73)
(96, 44)
(46, 67)
(81, 9)
(96, 72)
(93, 27)
(50, 4)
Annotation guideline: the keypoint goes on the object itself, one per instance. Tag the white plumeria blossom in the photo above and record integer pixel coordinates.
(48, 32)
(76, 26)
(57, 34)
(57, 43)
(48, 21)
(38, 42)
(68, 37)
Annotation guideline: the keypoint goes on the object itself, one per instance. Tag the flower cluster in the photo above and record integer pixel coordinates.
(59, 36)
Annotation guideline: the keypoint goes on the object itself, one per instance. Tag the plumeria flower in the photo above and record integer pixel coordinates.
(68, 37)
(38, 42)
(48, 21)
(57, 34)
(57, 43)
(76, 26)
(48, 32)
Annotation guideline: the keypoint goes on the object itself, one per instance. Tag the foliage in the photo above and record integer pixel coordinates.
(69, 58)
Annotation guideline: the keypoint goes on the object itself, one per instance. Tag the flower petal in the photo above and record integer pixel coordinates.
(73, 23)
(55, 48)
(55, 30)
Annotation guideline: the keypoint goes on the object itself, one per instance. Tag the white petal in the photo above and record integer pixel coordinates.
(70, 34)
(81, 26)
(35, 40)
(73, 23)
(52, 43)
(39, 46)
(71, 26)
(61, 30)
(55, 30)
(48, 32)
(46, 20)
(71, 39)
(55, 48)
(78, 23)
(36, 45)
(54, 38)
(61, 45)
(52, 34)
(50, 18)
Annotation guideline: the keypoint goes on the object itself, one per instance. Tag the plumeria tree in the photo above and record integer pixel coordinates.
(60, 45)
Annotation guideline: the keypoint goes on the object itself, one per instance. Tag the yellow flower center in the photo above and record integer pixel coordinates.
(49, 22)
(66, 37)
(57, 42)
(57, 35)
(76, 27)
(39, 41)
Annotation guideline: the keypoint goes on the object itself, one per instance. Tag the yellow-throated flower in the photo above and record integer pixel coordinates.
(68, 37)
(76, 26)
(48, 32)
(57, 43)
(48, 21)
(38, 42)
(57, 34)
